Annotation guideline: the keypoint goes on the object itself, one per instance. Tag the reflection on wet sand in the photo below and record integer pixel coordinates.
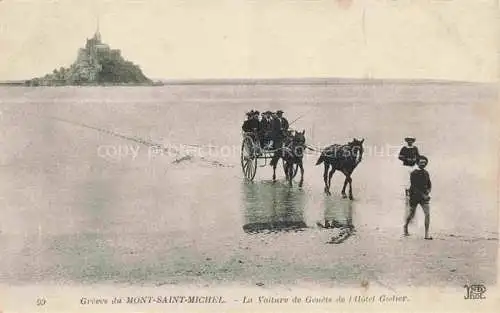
(272, 207)
(338, 217)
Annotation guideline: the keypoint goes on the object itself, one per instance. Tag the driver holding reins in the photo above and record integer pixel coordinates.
(279, 128)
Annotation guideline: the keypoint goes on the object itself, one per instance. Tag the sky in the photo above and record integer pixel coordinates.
(194, 39)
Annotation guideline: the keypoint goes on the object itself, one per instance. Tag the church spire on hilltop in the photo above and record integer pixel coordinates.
(95, 43)
(97, 34)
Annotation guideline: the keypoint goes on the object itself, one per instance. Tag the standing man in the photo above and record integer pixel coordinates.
(283, 121)
(408, 155)
(276, 132)
(419, 194)
(279, 128)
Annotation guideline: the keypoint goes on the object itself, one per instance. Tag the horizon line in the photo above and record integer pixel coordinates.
(291, 81)
(312, 81)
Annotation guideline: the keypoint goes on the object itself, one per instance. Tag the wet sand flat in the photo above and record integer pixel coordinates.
(86, 199)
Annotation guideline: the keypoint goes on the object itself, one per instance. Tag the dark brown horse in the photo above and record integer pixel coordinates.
(343, 158)
(292, 154)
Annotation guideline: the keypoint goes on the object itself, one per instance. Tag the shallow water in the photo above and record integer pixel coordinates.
(62, 195)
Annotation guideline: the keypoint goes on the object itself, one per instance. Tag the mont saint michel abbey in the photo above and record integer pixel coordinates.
(95, 64)
(90, 56)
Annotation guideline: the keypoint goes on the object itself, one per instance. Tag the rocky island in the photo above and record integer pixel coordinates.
(96, 64)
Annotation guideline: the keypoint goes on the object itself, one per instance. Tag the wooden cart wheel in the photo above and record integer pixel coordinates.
(248, 158)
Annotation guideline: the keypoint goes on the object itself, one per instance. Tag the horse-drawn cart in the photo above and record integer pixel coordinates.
(251, 152)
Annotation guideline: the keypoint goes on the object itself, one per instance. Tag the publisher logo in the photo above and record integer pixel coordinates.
(474, 291)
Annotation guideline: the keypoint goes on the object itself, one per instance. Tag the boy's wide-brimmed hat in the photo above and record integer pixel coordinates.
(249, 113)
(256, 112)
(267, 113)
(279, 112)
(410, 139)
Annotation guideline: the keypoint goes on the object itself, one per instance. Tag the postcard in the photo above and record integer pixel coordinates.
(249, 156)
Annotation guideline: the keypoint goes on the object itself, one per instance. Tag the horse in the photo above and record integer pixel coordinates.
(343, 158)
(292, 153)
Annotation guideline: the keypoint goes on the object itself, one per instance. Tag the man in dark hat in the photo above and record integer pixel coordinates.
(266, 128)
(419, 194)
(408, 155)
(283, 121)
(278, 128)
(276, 131)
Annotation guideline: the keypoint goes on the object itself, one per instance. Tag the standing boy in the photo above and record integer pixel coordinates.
(419, 194)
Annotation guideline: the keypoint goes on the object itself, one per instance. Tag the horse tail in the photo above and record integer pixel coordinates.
(321, 159)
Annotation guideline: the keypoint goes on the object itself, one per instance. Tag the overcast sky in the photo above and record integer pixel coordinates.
(440, 39)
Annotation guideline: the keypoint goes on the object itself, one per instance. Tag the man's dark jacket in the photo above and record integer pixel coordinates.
(409, 155)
